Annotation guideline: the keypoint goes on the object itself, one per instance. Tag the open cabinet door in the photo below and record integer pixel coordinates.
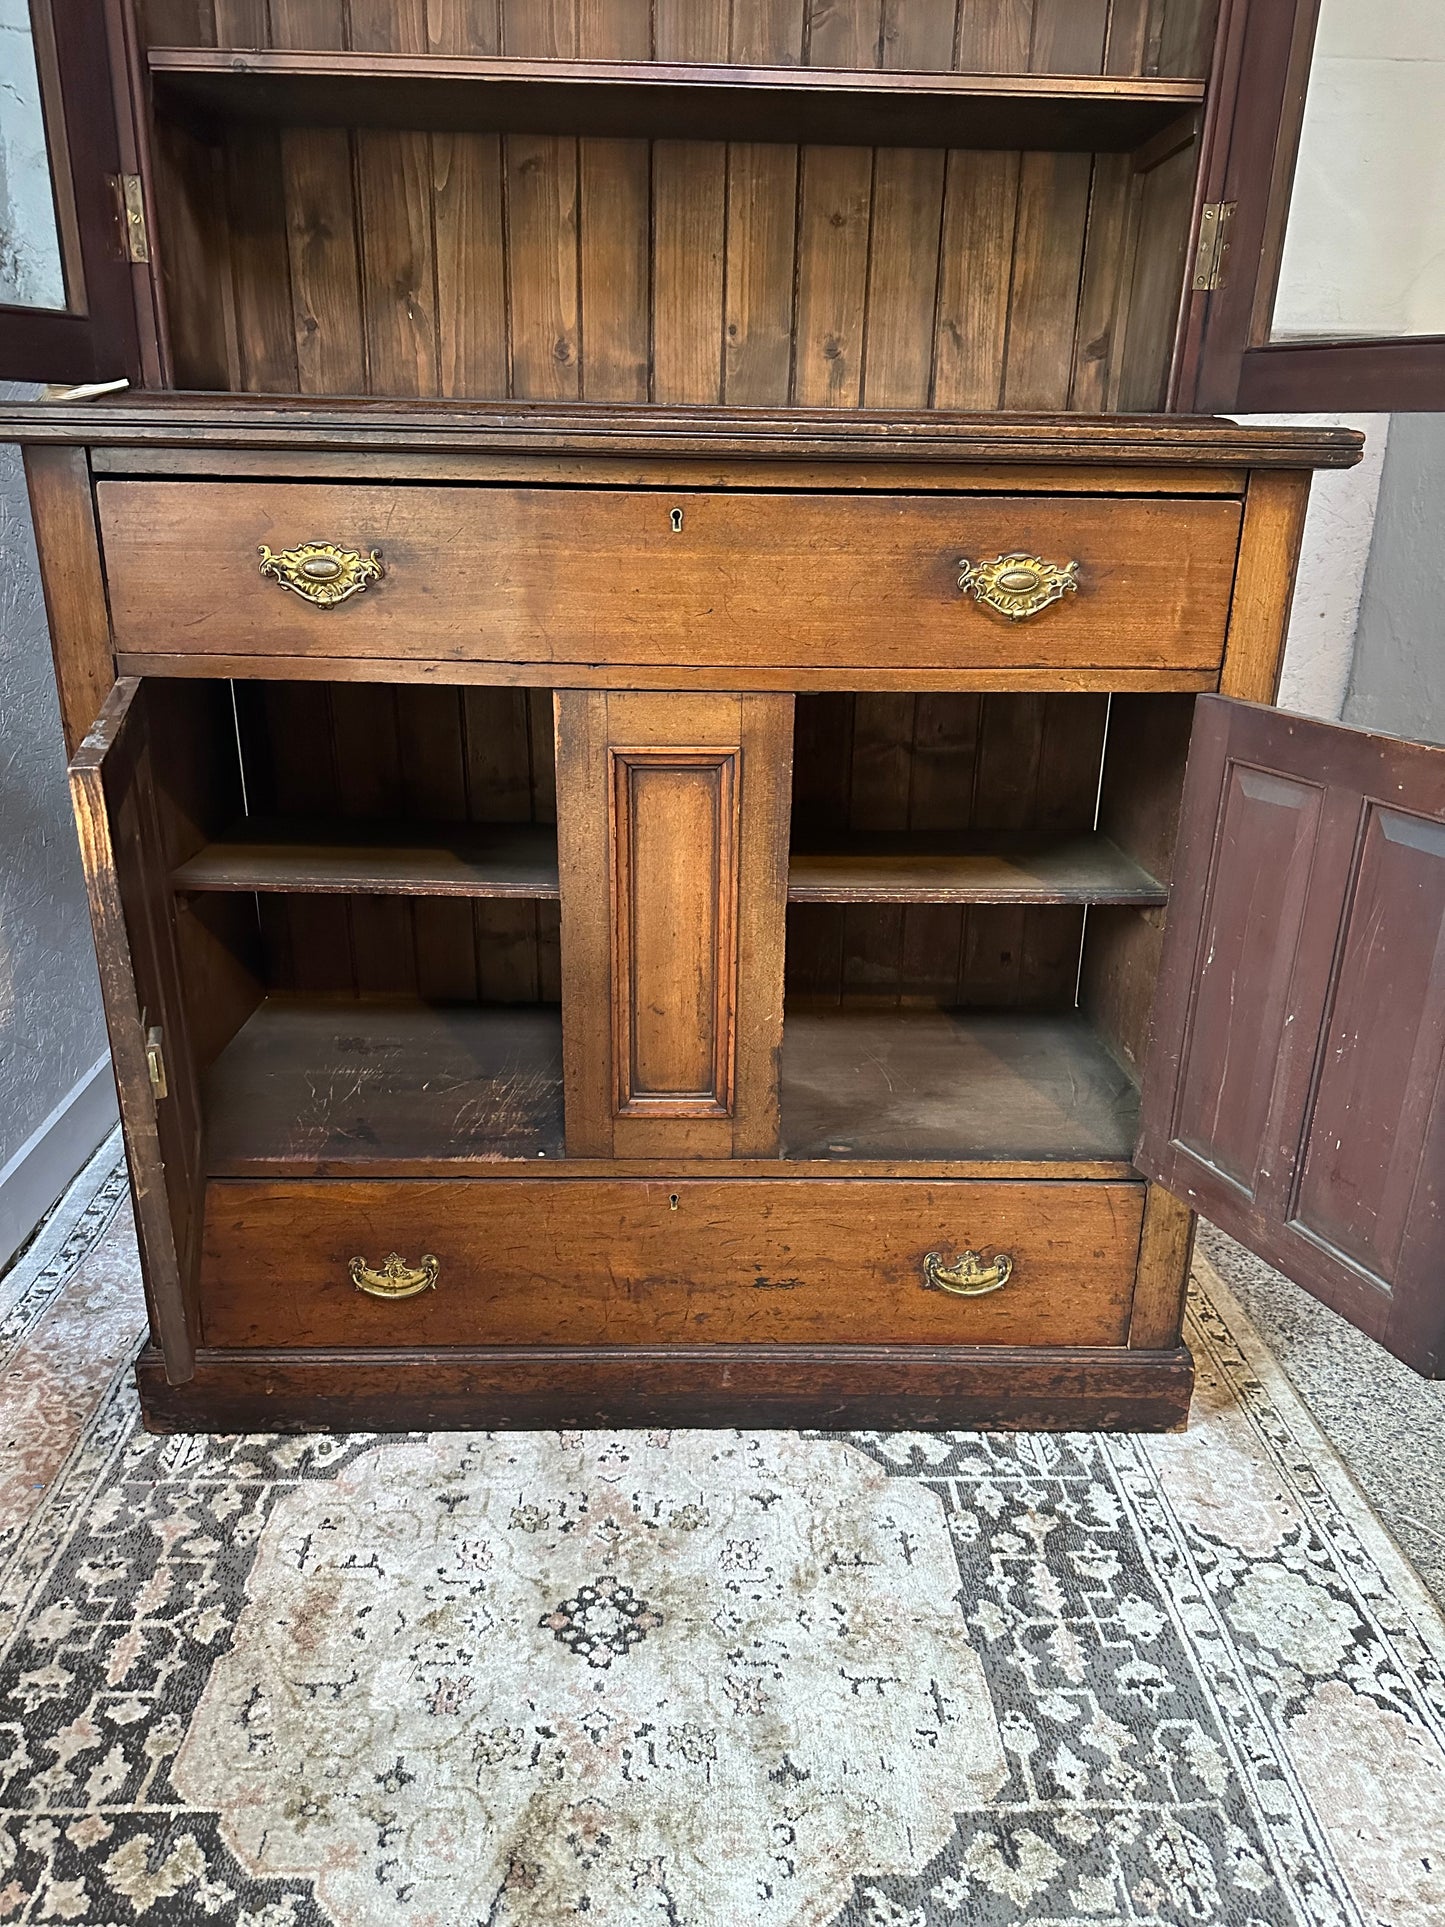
(1292, 1091)
(118, 812)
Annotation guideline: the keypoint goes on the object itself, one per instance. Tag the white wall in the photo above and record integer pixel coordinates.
(1333, 561)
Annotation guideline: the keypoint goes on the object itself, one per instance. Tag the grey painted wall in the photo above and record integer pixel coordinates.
(1397, 682)
(51, 1032)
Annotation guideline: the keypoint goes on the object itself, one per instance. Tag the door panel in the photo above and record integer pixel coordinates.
(672, 834)
(136, 816)
(1292, 1090)
(1384, 1038)
(1250, 931)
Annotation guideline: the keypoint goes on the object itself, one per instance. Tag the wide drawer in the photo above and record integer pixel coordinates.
(567, 575)
(523, 1261)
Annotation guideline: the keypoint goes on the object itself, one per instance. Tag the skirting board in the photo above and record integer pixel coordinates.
(32, 1180)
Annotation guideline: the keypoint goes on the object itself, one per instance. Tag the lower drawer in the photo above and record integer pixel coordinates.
(584, 1262)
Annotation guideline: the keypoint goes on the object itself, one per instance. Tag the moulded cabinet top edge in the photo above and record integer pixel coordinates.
(494, 94)
(202, 421)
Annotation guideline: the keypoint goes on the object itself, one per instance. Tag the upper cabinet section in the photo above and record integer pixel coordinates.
(954, 204)
(1086, 206)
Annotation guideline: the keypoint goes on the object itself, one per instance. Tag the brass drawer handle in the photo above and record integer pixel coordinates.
(395, 1279)
(1017, 585)
(320, 572)
(968, 1276)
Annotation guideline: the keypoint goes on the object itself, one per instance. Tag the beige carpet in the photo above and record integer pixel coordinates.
(695, 1678)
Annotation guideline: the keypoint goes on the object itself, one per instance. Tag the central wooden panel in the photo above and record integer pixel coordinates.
(672, 845)
(675, 887)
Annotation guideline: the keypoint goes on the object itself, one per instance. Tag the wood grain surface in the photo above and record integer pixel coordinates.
(539, 575)
(578, 1262)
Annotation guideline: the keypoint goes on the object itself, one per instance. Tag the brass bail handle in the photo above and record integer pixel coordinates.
(322, 573)
(970, 1275)
(1017, 585)
(396, 1278)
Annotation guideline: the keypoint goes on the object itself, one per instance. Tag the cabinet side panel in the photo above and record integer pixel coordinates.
(68, 545)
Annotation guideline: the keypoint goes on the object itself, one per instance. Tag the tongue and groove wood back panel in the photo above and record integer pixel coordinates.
(946, 763)
(1167, 37)
(445, 754)
(536, 267)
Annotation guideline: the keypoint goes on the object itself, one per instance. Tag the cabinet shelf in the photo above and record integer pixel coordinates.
(313, 1085)
(935, 1084)
(1004, 868)
(1094, 113)
(340, 858)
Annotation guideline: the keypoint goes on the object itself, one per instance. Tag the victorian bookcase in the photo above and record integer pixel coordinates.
(658, 689)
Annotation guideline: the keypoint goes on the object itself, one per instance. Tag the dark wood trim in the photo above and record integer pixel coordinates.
(914, 1388)
(1373, 376)
(98, 339)
(667, 100)
(1225, 358)
(167, 1266)
(133, 114)
(67, 544)
(706, 434)
(531, 675)
(1252, 122)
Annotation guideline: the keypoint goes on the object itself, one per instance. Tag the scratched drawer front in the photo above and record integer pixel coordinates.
(558, 576)
(627, 1262)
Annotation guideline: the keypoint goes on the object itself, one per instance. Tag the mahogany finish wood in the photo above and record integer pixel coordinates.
(1009, 36)
(334, 1082)
(393, 429)
(672, 845)
(436, 859)
(669, 100)
(586, 1263)
(714, 578)
(674, 359)
(894, 1388)
(67, 544)
(926, 1084)
(1299, 1037)
(1002, 868)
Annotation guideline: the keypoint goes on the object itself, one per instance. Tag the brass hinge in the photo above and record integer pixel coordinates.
(1215, 220)
(132, 216)
(156, 1062)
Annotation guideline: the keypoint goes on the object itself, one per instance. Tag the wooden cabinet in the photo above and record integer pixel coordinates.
(632, 799)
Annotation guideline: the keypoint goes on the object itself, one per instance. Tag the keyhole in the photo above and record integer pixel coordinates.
(676, 519)
(672, 1201)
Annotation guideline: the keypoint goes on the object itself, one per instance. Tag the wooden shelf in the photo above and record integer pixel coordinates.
(1007, 868)
(313, 1086)
(1107, 113)
(914, 1084)
(428, 860)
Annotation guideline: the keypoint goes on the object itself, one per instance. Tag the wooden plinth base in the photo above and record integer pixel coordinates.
(837, 1387)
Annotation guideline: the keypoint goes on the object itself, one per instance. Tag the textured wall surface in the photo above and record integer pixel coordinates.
(1398, 683)
(1333, 561)
(51, 1031)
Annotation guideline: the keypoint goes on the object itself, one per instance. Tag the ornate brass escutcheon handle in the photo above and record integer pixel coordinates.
(321, 573)
(969, 1276)
(395, 1279)
(1017, 585)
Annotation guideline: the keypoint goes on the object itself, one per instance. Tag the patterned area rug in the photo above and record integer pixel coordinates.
(700, 1679)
